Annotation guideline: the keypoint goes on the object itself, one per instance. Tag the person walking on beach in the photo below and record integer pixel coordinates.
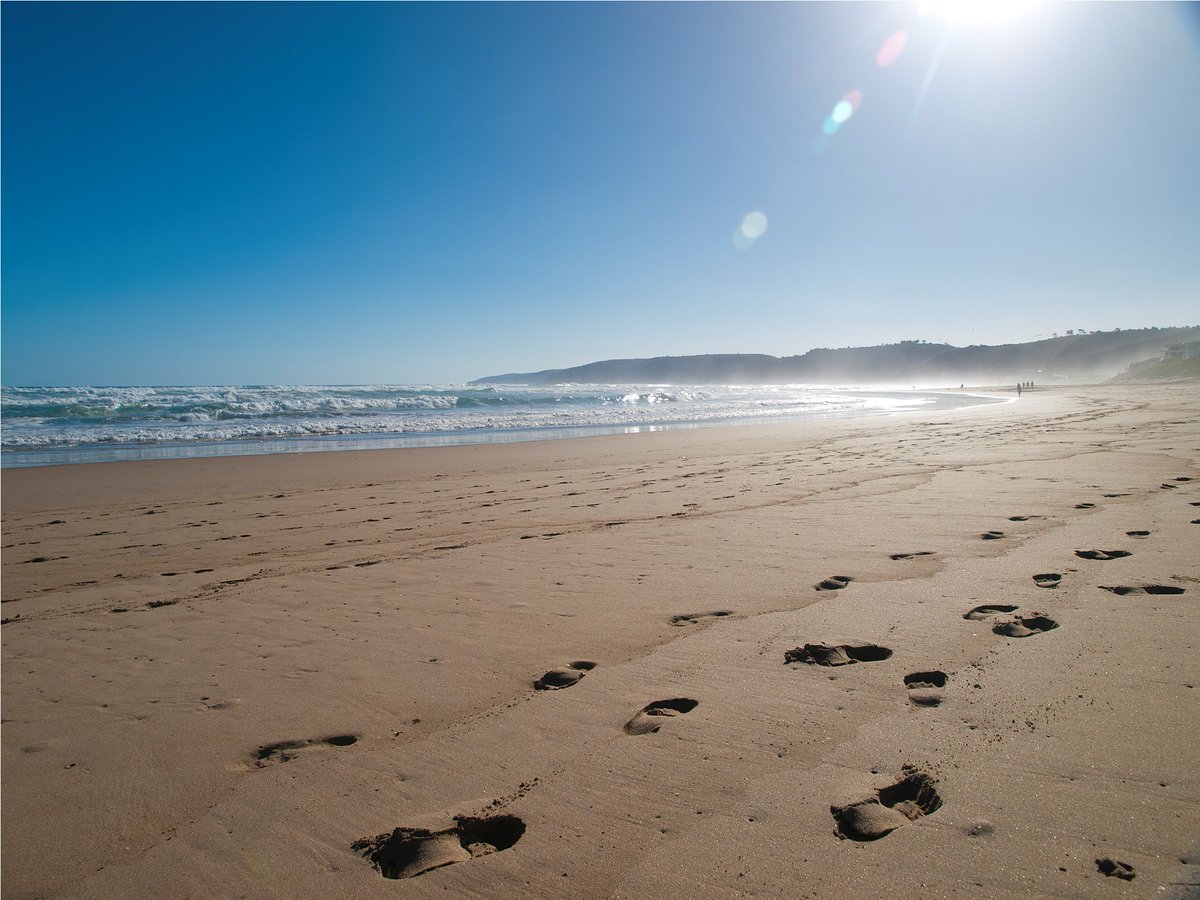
(1018, 389)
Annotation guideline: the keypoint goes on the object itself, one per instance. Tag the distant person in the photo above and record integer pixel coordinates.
(1018, 389)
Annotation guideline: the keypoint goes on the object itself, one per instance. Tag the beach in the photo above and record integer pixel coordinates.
(806, 658)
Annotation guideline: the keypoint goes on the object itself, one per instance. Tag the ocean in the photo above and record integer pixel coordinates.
(61, 425)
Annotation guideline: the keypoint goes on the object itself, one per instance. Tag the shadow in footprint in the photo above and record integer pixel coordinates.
(1137, 534)
(1085, 505)
(649, 717)
(409, 852)
(915, 553)
(1102, 554)
(556, 679)
(682, 619)
(1111, 868)
(925, 688)
(1047, 580)
(836, 654)
(910, 798)
(281, 752)
(986, 612)
(833, 583)
(992, 535)
(1123, 589)
(1025, 626)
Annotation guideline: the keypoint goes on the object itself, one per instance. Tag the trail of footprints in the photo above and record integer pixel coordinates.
(407, 852)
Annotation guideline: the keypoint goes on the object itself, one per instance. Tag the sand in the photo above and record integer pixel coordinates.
(722, 662)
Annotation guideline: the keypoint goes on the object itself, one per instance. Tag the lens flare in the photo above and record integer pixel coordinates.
(891, 49)
(754, 225)
(830, 127)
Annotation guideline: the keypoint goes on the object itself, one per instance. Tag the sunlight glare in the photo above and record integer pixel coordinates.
(975, 12)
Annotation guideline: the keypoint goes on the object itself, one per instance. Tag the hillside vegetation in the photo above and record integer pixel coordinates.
(1097, 356)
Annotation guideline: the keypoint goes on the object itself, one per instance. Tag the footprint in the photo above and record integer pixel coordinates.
(985, 612)
(1102, 554)
(1025, 626)
(692, 618)
(1167, 486)
(834, 583)
(568, 675)
(837, 654)
(1177, 478)
(1111, 868)
(912, 555)
(992, 535)
(269, 754)
(409, 852)
(1085, 505)
(925, 688)
(1123, 589)
(1047, 580)
(648, 719)
(912, 797)
(1137, 534)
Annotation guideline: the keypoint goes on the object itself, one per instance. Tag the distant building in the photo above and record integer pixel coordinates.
(1190, 350)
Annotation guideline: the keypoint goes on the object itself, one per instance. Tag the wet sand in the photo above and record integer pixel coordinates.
(732, 661)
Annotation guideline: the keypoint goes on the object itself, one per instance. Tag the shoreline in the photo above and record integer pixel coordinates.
(89, 454)
(219, 674)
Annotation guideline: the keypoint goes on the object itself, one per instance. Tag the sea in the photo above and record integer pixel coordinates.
(41, 426)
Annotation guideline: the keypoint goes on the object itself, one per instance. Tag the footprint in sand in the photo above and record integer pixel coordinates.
(692, 618)
(992, 535)
(915, 553)
(1122, 589)
(1047, 580)
(409, 852)
(980, 613)
(833, 583)
(1111, 868)
(556, 679)
(649, 717)
(912, 797)
(925, 688)
(837, 654)
(281, 752)
(1025, 626)
(1085, 505)
(1102, 554)
(1167, 486)
(1137, 534)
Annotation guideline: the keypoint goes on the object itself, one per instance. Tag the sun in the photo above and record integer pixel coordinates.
(976, 12)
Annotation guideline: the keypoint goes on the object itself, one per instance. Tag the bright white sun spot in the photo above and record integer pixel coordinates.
(976, 12)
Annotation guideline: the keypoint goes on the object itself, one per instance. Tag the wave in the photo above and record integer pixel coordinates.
(41, 417)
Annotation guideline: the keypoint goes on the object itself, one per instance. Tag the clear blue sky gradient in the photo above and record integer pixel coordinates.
(312, 193)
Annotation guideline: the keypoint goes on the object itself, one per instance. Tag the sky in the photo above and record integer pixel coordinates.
(274, 193)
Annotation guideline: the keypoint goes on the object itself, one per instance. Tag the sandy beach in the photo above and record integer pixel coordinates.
(920, 655)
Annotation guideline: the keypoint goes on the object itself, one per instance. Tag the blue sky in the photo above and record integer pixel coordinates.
(313, 193)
